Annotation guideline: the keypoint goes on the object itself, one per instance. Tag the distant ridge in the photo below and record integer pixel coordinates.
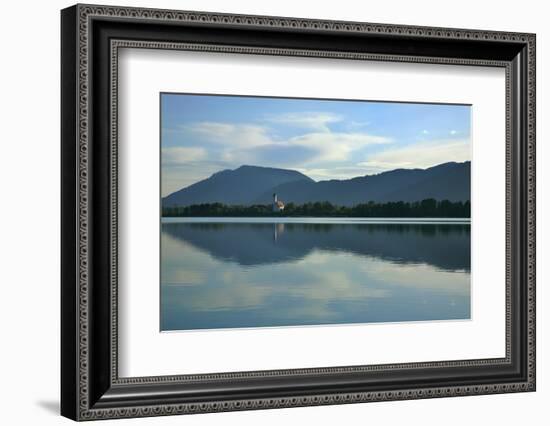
(240, 186)
(248, 185)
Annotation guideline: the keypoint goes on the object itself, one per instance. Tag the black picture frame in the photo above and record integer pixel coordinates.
(90, 386)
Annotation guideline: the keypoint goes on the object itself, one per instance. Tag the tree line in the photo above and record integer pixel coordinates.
(425, 208)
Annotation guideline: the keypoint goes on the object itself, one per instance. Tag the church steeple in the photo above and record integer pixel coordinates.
(277, 205)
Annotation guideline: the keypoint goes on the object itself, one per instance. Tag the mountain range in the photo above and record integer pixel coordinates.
(249, 185)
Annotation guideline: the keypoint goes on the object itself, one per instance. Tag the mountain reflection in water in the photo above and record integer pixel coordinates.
(229, 275)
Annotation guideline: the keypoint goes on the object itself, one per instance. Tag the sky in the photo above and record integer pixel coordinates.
(324, 139)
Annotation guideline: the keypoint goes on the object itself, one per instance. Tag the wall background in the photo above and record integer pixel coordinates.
(29, 225)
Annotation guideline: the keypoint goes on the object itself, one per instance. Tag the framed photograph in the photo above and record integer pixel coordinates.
(263, 212)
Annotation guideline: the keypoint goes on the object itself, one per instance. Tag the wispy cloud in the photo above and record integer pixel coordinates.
(337, 146)
(253, 143)
(331, 172)
(234, 135)
(181, 154)
(422, 155)
(336, 278)
(318, 121)
(358, 124)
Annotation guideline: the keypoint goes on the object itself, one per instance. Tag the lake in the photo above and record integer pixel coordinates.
(273, 272)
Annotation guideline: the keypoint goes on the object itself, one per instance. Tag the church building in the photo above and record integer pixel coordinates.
(278, 206)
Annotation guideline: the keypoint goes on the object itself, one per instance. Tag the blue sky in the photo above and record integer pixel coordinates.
(324, 139)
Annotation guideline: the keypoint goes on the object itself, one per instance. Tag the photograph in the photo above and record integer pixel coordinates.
(281, 212)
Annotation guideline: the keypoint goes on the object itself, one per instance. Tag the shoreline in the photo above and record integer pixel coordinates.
(322, 220)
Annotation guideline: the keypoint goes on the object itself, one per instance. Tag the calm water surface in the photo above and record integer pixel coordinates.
(229, 273)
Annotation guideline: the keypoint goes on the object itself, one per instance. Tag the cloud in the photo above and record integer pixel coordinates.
(313, 291)
(337, 146)
(317, 121)
(305, 150)
(254, 144)
(331, 172)
(180, 154)
(234, 135)
(450, 282)
(358, 124)
(277, 154)
(177, 277)
(420, 155)
(337, 280)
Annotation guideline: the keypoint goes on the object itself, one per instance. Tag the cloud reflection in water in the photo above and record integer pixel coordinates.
(230, 275)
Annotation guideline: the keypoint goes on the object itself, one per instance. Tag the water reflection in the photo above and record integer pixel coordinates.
(219, 275)
(441, 245)
(278, 228)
